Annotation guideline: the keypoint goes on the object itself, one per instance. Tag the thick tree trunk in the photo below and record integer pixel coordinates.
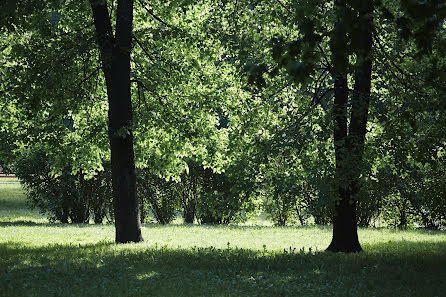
(349, 148)
(115, 57)
(345, 235)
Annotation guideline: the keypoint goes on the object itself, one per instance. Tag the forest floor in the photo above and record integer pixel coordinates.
(38, 258)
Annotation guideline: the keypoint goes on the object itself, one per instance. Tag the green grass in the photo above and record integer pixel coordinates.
(42, 259)
(13, 206)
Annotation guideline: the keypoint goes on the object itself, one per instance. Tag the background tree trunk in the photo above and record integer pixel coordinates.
(115, 57)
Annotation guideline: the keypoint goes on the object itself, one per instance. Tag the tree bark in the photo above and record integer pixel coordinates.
(345, 235)
(349, 147)
(115, 58)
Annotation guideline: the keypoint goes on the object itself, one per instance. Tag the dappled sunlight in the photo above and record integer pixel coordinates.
(41, 258)
(315, 238)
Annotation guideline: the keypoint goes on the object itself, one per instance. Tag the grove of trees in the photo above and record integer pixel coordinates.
(330, 112)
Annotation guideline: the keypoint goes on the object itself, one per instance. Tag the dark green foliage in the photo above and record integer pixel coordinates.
(158, 195)
(201, 194)
(398, 212)
(189, 191)
(370, 201)
(98, 193)
(422, 21)
(320, 207)
(218, 203)
(368, 210)
(293, 200)
(236, 86)
(66, 197)
(282, 204)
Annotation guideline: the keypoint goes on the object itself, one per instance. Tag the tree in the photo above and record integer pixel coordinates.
(175, 102)
(314, 41)
(115, 57)
(349, 144)
(327, 42)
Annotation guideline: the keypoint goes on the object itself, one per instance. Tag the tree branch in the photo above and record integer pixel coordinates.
(143, 48)
(89, 76)
(328, 65)
(144, 5)
(284, 7)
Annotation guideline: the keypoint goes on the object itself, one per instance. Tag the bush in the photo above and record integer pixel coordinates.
(158, 195)
(281, 210)
(66, 197)
(221, 200)
(370, 202)
(294, 199)
(98, 193)
(189, 191)
(429, 200)
(216, 204)
(201, 193)
(284, 195)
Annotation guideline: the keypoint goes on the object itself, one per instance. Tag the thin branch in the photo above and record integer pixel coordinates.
(321, 78)
(96, 83)
(284, 7)
(96, 70)
(328, 65)
(160, 99)
(143, 48)
(400, 70)
(145, 101)
(144, 5)
(139, 100)
(278, 91)
(184, 130)
(235, 10)
(112, 7)
(319, 99)
(148, 54)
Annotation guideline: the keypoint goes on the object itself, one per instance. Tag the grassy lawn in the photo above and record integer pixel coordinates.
(42, 259)
(13, 206)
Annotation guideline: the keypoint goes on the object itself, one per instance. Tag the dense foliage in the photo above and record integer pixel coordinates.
(234, 108)
(66, 197)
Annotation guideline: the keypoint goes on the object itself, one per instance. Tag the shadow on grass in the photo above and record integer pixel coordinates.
(23, 223)
(19, 223)
(400, 268)
(217, 226)
(13, 204)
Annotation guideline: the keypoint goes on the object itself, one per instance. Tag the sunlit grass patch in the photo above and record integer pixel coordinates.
(13, 207)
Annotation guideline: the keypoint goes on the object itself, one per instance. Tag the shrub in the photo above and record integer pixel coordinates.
(66, 197)
(429, 200)
(157, 194)
(370, 202)
(189, 190)
(221, 200)
(216, 204)
(98, 192)
(282, 205)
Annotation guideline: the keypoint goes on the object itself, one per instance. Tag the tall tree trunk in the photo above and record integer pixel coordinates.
(345, 236)
(349, 147)
(115, 57)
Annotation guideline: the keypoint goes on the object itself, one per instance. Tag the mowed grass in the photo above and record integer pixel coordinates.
(42, 259)
(13, 207)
